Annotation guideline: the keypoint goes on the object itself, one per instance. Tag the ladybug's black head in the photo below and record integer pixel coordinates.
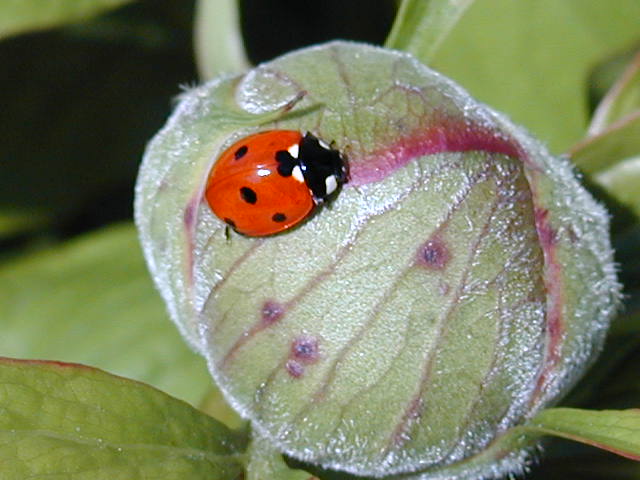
(323, 168)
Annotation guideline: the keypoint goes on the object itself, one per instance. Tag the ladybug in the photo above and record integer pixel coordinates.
(271, 181)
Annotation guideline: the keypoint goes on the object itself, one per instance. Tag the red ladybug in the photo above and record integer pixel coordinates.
(271, 181)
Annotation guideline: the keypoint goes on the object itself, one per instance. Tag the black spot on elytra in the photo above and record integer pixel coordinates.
(230, 222)
(286, 163)
(241, 152)
(279, 217)
(248, 195)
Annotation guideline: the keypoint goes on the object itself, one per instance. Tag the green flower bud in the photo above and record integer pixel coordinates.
(458, 283)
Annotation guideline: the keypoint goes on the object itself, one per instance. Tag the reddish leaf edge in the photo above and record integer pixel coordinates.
(53, 363)
(71, 366)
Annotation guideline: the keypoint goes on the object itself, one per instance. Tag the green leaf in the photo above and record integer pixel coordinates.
(617, 431)
(421, 25)
(606, 73)
(218, 38)
(19, 16)
(622, 100)
(622, 181)
(14, 222)
(92, 301)
(531, 58)
(215, 405)
(72, 421)
(617, 142)
(265, 462)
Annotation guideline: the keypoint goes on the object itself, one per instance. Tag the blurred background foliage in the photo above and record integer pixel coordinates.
(80, 101)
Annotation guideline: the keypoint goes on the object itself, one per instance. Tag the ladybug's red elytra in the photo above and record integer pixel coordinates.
(270, 181)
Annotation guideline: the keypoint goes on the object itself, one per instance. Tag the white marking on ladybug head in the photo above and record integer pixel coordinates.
(294, 150)
(297, 174)
(331, 183)
(324, 144)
